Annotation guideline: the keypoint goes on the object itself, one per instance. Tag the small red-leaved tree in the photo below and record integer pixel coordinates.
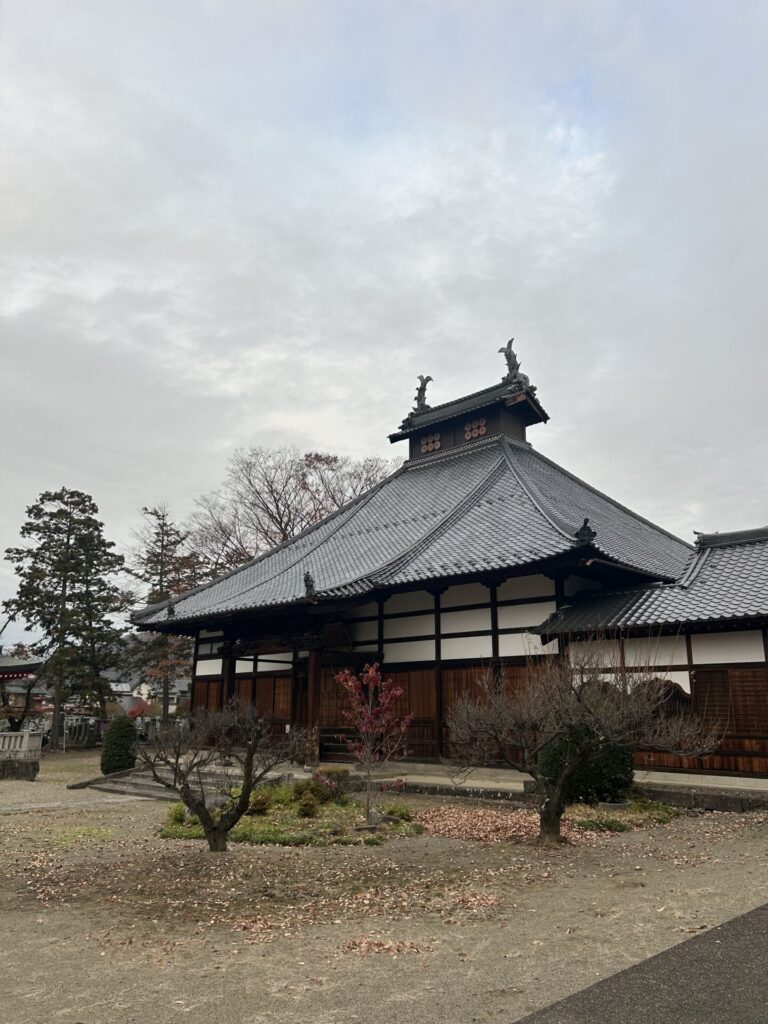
(379, 731)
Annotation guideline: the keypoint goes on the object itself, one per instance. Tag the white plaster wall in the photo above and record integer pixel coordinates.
(718, 648)
(410, 601)
(607, 649)
(466, 647)
(461, 622)
(412, 625)
(466, 593)
(418, 650)
(525, 586)
(244, 665)
(363, 630)
(514, 615)
(651, 651)
(274, 662)
(209, 667)
(681, 678)
(523, 645)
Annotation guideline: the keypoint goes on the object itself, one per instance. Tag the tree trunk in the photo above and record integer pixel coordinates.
(56, 721)
(217, 841)
(550, 815)
(166, 700)
(368, 783)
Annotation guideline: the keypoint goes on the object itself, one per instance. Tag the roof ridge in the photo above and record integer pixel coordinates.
(607, 497)
(361, 500)
(536, 499)
(694, 568)
(380, 573)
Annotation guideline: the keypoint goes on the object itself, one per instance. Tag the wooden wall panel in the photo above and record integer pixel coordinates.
(207, 695)
(244, 690)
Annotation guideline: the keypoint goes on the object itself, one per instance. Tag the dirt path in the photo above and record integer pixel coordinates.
(102, 922)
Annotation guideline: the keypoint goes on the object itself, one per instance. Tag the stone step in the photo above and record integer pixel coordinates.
(142, 792)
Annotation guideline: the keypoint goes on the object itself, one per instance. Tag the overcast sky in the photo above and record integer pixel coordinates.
(227, 224)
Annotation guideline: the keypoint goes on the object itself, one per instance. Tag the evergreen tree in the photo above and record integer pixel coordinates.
(163, 562)
(68, 593)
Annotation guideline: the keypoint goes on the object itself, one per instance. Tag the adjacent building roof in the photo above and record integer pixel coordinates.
(726, 580)
(491, 505)
(17, 668)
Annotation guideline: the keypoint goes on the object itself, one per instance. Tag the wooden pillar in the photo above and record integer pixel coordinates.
(380, 630)
(495, 660)
(313, 700)
(439, 711)
(228, 669)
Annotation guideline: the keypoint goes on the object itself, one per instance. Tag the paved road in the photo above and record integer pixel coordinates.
(718, 977)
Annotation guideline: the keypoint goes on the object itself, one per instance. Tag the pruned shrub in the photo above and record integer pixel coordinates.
(308, 805)
(401, 811)
(260, 802)
(176, 814)
(320, 792)
(118, 752)
(335, 781)
(606, 776)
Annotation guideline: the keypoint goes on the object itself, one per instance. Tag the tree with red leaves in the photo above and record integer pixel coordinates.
(379, 731)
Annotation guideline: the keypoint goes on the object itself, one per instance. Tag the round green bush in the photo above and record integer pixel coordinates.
(118, 752)
(606, 776)
(308, 805)
(260, 802)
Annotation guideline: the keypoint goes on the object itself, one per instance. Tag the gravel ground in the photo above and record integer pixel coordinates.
(103, 922)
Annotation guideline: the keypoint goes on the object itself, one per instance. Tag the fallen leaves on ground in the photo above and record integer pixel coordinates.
(365, 947)
(485, 825)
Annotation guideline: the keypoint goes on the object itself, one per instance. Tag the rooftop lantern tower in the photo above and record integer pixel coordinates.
(507, 408)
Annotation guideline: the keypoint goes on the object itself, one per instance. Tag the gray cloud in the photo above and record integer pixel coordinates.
(231, 223)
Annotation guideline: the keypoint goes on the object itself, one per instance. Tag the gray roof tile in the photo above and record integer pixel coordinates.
(727, 578)
(490, 505)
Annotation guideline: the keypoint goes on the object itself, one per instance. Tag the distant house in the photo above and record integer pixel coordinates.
(18, 676)
(481, 551)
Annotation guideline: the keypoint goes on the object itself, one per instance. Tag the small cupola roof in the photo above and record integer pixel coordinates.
(504, 408)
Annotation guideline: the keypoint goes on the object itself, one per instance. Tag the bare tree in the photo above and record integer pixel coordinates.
(215, 759)
(270, 496)
(583, 702)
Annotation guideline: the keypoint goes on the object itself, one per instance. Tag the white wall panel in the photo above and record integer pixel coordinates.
(607, 649)
(525, 586)
(466, 647)
(680, 678)
(523, 645)
(410, 601)
(461, 622)
(719, 648)
(514, 615)
(207, 634)
(274, 662)
(418, 650)
(651, 651)
(244, 665)
(209, 667)
(466, 593)
(411, 625)
(363, 630)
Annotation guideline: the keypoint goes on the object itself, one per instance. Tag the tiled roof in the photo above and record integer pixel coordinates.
(726, 579)
(489, 505)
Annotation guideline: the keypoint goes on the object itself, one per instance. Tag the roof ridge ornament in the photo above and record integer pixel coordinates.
(421, 395)
(518, 381)
(309, 586)
(585, 534)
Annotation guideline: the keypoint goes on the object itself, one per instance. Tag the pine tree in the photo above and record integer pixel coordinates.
(162, 561)
(68, 594)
